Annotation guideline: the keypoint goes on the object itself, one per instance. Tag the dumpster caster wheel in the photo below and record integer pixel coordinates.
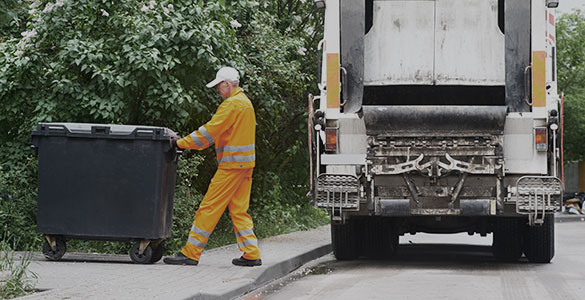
(58, 252)
(157, 253)
(144, 258)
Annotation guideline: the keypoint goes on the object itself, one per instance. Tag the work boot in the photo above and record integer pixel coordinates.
(180, 259)
(246, 262)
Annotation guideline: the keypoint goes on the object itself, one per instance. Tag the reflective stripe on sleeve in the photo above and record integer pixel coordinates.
(206, 134)
(200, 231)
(248, 243)
(238, 158)
(244, 232)
(195, 242)
(196, 139)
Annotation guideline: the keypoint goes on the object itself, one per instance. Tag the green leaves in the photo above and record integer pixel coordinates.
(145, 62)
(571, 74)
(130, 53)
(574, 130)
(571, 51)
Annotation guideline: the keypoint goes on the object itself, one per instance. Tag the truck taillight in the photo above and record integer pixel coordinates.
(331, 139)
(540, 139)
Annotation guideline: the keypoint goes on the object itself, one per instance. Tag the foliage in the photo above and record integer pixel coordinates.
(15, 278)
(18, 197)
(574, 130)
(12, 16)
(571, 74)
(147, 62)
(571, 51)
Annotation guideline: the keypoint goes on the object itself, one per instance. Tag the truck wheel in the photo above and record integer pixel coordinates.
(379, 238)
(57, 254)
(144, 258)
(507, 242)
(539, 241)
(343, 238)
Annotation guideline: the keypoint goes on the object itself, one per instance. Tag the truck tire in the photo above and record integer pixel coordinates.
(539, 241)
(507, 238)
(380, 238)
(344, 240)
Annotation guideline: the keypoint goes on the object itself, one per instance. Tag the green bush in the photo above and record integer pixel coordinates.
(18, 195)
(571, 74)
(147, 62)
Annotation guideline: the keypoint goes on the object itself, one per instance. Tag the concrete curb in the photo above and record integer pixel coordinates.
(271, 273)
(564, 218)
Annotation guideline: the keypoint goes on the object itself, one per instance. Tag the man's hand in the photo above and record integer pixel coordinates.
(173, 142)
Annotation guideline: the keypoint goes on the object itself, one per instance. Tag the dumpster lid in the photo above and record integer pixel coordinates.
(103, 130)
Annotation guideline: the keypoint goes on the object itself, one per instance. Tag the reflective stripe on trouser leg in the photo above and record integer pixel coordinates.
(196, 242)
(223, 188)
(247, 242)
(243, 224)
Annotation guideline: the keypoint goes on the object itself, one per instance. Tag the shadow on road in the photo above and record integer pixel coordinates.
(443, 253)
(89, 258)
(433, 256)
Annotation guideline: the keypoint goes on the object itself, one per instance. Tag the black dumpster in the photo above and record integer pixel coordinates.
(105, 182)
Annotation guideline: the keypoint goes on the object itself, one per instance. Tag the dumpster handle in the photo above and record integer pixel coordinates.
(54, 129)
(101, 130)
(146, 132)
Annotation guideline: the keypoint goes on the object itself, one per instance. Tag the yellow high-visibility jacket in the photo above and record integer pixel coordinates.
(233, 131)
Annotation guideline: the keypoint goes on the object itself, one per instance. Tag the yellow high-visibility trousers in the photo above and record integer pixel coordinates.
(228, 187)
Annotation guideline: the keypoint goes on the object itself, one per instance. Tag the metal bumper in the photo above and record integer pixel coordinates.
(402, 208)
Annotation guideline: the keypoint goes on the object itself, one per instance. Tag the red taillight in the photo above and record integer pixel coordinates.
(540, 139)
(331, 139)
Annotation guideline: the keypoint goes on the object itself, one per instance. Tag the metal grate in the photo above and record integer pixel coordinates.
(537, 196)
(338, 191)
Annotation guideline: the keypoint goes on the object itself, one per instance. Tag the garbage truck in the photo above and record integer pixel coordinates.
(437, 116)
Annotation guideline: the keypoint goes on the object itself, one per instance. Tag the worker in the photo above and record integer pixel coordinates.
(232, 129)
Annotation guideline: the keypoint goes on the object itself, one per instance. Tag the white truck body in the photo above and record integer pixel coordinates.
(438, 108)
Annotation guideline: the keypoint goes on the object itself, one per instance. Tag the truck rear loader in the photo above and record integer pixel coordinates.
(438, 116)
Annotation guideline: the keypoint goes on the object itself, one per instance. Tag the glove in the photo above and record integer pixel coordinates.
(173, 142)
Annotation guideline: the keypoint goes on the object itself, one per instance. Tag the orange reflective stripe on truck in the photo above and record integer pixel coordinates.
(333, 80)
(538, 79)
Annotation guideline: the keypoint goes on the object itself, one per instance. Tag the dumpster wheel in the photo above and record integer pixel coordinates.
(157, 253)
(54, 248)
(141, 258)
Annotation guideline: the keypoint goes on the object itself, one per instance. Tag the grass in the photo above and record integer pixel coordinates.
(15, 278)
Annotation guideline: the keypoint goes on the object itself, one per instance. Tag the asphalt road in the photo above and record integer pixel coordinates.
(442, 267)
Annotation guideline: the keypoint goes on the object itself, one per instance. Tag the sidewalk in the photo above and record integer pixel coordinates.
(99, 276)
(563, 218)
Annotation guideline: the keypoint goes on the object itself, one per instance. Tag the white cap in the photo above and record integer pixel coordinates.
(225, 73)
